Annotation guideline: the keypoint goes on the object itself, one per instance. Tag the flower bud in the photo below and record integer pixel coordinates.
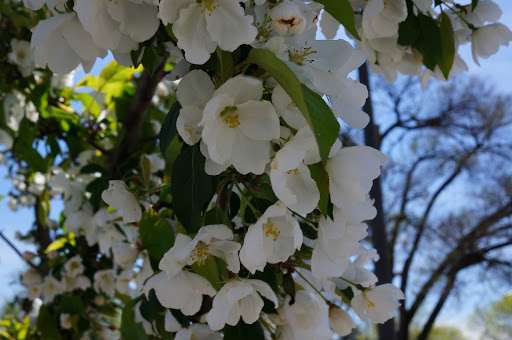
(99, 300)
(340, 321)
(28, 255)
(52, 255)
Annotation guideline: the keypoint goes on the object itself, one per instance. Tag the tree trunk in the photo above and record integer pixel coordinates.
(383, 267)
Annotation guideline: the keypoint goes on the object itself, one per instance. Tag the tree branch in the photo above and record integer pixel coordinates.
(13, 247)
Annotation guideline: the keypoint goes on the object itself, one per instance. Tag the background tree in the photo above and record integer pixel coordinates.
(447, 188)
(496, 319)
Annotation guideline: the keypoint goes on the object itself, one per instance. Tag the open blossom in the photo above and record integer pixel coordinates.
(238, 127)
(379, 304)
(351, 174)
(337, 241)
(273, 238)
(182, 291)
(118, 196)
(211, 240)
(62, 43)
(201, 27)
(105, 281)
(194, 91)
(22, 55)
(239, 299)
(74, 266)
(306, 318)
(51, 288)
(487, 40)
(195, 331)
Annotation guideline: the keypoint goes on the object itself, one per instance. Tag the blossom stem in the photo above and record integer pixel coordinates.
(312, 286)
(254, 210)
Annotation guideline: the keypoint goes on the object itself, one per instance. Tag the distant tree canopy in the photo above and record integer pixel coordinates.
(496, 319)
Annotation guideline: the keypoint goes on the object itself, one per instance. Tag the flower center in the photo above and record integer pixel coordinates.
(294, 171)
(302, 55)
(264, 28)
(201, 253)
(230, 117)
(208, 4)
(271, 230)
(21, 54)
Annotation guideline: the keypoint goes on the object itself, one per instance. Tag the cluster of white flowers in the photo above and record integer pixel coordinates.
(378, 27)
(246, 126)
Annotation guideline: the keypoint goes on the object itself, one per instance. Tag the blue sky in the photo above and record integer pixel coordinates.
(497, 70)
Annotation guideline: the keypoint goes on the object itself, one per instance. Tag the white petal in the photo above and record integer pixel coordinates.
(258, 120)
(229, 26)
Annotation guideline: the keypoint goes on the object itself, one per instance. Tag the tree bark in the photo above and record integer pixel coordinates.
(134, 117)
(383, 267)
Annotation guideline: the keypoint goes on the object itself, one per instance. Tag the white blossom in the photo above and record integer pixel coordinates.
(273, 238)
(239, 299)
(378, 303)
(118, 196)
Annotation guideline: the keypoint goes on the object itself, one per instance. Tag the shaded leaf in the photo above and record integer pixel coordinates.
(191, 188)
(168, 129)
(156, 234)
(321, 177)
(447, 45)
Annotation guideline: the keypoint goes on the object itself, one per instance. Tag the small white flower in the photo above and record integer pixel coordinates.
(62, 43)
(211, 240)
(486, 41)
(273, 238)
(74, 266)
(306, 318)
(105, 281)
(340, 321)
(378, 303)
(201, 27)
(351, 174)
(65, 321)
(287, 17)
(183, 291)
(238, 127)
(194, 91)
(51, 288)
(22, 55)
(336, 243)
(118, 196)
(239, 299)
(124, 253)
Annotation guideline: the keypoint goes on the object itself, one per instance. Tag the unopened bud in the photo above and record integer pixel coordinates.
(28, 255)
(52, 255)
(340, 321)
(99, 300)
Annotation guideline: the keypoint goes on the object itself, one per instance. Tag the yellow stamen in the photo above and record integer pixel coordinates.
(230, 117)
(295, 172)
(270, 229)
(201, 253)
(210, 5)
(302, 55)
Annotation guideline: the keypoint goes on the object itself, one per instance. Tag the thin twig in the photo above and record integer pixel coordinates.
(16, 250)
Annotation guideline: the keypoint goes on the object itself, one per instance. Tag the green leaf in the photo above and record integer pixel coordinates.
(129, 329)
(216, 216)
(429, 43)
(30, 155)
(71, 304)
(209, 269)
(342, 11)
(92, 168)
(447, 45)
(168, 129)
(47, 325)
(191, 188)
(319, 116)
(43, 207)
(474, 3)
(308, 231)
(409, 30)
(156, 234)
(321, 177)
(56, 245)
(244, 331)
(96, 188)
(151, 60)
(149, 307)
(226, 64)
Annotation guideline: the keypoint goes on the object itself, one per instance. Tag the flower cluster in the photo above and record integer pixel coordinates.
(254, 214)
